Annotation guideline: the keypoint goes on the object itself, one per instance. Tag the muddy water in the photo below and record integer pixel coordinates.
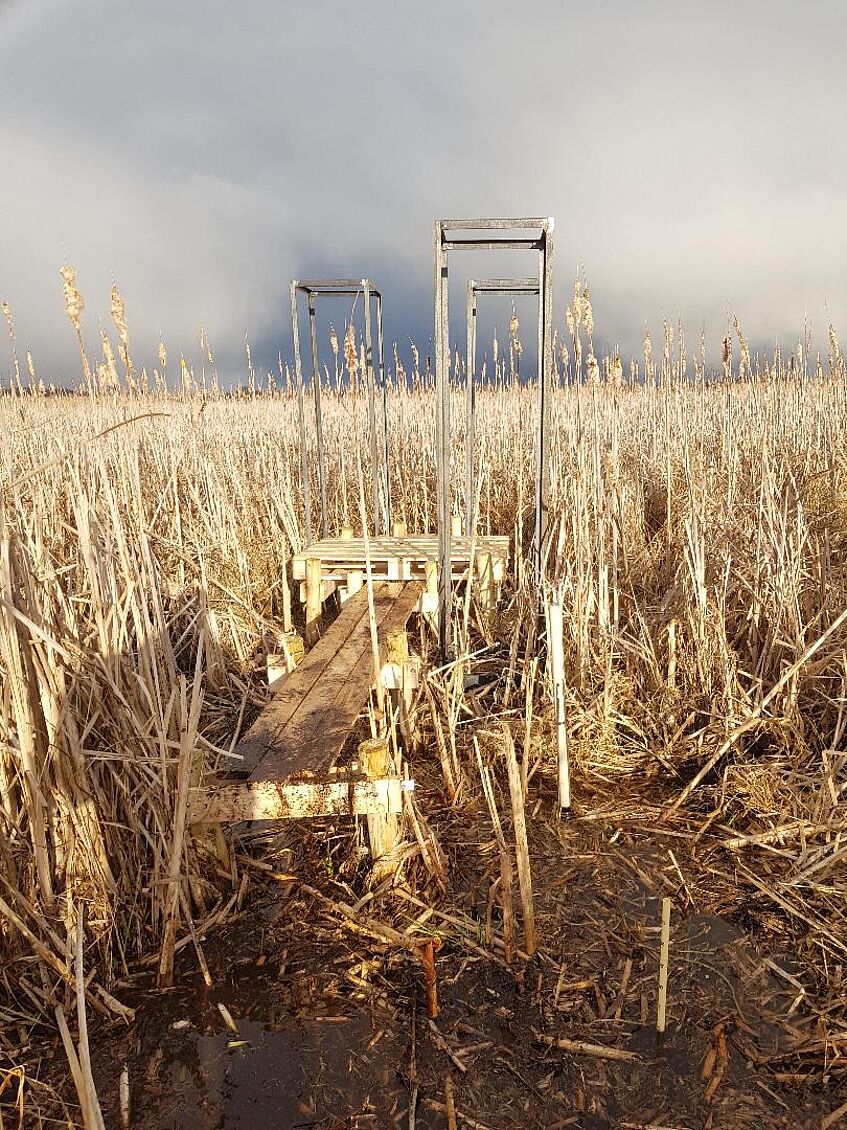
(318, 1071)
(327, 1037)
(293, 1076)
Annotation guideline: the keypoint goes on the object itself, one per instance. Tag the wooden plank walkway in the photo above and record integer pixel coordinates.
(293, 744)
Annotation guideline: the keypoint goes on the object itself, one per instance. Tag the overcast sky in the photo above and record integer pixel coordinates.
(694, 156)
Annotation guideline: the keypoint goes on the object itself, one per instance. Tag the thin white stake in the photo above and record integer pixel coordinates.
(663, 965)
(557, 671)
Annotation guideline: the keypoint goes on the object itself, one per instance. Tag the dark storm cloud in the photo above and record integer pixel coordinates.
(201, 154)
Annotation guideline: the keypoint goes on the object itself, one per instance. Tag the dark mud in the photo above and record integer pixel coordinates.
(332, 1031)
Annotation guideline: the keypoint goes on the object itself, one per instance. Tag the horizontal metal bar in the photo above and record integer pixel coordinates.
(503, 286)
(343, 287)
(492, 244)
(495, 224)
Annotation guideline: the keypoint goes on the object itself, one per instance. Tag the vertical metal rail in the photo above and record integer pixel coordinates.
(470, 409)
(540, 454)
(301, 413)
(302, 417)
(442, 440)
(369, 373)
(447, 239)
(545, 369)
(380, 338)
(319, 431)
(496, 286)
(351, 288)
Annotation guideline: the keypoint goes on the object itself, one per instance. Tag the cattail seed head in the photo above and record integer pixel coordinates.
(617, 371)
(577, 303)
(744, 352)
(587, 313)
(74, 303)
(592, 369)
(119, 315)
(514, 331)
(569, 319)
(108, 372)
(351, 360)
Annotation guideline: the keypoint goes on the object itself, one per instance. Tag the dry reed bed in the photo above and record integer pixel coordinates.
(697, 543)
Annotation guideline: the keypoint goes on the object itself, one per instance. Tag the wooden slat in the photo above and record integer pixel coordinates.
(299, 744)
(328, 654)
(315, 737)
(315, 734)
(346, 554)
(253, 745)
(277, 800)
(394, 545)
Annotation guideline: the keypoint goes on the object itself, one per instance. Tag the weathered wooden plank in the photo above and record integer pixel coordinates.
(297, 686)
(279, 800)
(333, 654)
(396, 569)
(398, 544)
(315, 734)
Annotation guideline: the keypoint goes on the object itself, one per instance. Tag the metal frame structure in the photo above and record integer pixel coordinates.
(519, 235)
(510, 288)
(341, 288)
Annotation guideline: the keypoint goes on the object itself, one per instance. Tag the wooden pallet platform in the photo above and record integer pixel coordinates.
(395, 557)
(301, 731)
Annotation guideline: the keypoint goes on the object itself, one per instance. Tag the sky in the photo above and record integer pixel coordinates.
(201, 154)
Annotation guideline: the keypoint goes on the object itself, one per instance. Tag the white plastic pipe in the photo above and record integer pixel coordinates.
(557, 672)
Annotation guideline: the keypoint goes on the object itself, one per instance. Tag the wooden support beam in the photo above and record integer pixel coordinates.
(277, 800)
(397, 678)
(485, 592)
(400, 676)
(313, 599)
(429, 598)
(383, 826)
(328, 587)
(355, 581)
(282, 663)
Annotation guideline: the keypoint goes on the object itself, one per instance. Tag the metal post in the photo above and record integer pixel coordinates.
(442, 444)
(380, 337)
(470, 407)
(541, 454)
(369, 373)
(319, 431)
(301, 412)
(545, 369)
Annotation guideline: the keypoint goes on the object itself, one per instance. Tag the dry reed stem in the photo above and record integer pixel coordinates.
(126, 537)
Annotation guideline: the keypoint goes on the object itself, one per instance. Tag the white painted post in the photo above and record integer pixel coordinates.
(663, 966)
(556, 641)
